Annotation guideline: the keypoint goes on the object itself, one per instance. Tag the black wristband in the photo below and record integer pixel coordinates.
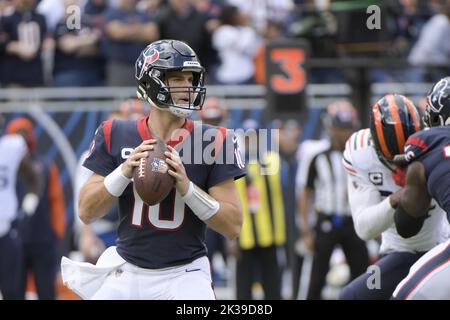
(406, 225)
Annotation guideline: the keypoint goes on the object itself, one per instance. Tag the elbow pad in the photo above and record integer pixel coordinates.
(406, 225)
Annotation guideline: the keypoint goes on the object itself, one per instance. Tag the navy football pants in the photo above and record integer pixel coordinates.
(394, 267)
(43, 260)
(11, 266)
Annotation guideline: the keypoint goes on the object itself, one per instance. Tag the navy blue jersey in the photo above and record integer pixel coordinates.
(169, 233)
(432, 148)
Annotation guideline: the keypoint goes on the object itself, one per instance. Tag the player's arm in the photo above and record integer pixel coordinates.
(371, 215)
(414, 203)
(27, 171)
(99, 193)
(228, 219)
(95, 200)
(31, 199)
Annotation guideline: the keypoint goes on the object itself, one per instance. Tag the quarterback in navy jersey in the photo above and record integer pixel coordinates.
(160, 251)
(428, 177)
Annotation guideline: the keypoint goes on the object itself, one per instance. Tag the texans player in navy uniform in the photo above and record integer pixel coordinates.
(160, 253)
(428, 177)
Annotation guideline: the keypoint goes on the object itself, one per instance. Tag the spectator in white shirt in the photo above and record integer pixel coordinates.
(236, 44)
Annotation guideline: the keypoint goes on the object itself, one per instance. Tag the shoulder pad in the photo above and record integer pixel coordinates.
(358, 152)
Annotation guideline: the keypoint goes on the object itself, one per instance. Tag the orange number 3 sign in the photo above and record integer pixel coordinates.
(293, 78)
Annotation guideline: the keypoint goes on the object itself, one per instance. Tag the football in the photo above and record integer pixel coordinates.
(151, 180)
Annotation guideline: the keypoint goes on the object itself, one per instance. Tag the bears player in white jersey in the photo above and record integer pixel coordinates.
(375, 186)
(14, 159)
(427, 154)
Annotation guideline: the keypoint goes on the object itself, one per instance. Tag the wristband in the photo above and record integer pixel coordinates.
(202, 204)
(115, 182)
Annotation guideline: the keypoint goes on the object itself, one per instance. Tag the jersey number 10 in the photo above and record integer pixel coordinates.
(166, 215)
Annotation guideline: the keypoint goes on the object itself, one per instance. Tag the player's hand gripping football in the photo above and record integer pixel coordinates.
(139, 152)
(178, 172)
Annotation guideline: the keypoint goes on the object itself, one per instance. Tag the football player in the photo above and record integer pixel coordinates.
(375, 187)
(15, 158)
(160, 252)
(427, 179)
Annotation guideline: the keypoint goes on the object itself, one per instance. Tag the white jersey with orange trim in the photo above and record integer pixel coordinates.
(12, 148)
(369, 185)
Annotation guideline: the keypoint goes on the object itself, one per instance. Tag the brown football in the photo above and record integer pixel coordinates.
(151, 180)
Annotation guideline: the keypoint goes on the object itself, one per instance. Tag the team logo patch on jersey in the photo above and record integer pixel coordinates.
(376, 178)
(159, 165)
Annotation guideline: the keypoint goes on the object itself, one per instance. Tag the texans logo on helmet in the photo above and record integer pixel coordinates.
(440, 89)
(148, 57)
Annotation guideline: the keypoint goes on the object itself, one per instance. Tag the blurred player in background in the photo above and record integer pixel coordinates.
(42, 232)
(15, 159)
(159, 256)
(428, 177)
(327, 181)
(375, 187)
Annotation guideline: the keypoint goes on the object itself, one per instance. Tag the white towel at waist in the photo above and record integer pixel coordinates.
(85, 278)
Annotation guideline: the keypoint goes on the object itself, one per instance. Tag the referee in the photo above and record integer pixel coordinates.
(326, 181)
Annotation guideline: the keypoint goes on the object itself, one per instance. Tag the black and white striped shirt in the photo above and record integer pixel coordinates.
(328, 179)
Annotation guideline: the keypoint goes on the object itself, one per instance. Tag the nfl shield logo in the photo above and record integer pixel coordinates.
(159, 165)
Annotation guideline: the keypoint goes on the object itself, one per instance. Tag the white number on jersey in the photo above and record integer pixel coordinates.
(140, 209)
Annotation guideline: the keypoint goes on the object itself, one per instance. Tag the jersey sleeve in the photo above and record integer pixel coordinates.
(415, 147)
(100, 159)
(229, 162)
(348, 158)
(18, 144)
(371, 215)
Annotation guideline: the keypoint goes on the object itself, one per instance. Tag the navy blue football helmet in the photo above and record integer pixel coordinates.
(437, 112)
(151, 76)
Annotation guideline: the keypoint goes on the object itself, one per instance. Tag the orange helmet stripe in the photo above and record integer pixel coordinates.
(415, 115)
(380, 135)
(398, 124)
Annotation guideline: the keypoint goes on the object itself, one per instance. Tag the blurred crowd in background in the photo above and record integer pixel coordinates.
(95, 42)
